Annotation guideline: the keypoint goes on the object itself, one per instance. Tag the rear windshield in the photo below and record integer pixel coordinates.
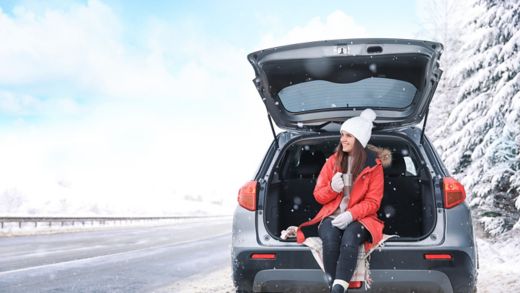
(386, 82)
(372, 92)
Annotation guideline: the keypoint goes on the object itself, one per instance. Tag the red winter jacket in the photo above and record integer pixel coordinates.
(365, 197)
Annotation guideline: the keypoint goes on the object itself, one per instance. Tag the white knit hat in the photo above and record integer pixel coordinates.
(360, 127)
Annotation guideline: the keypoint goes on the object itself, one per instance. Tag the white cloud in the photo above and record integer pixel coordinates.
(56, 44)
(26, 105)
(336, 25)
(83, 48)
(13, 104)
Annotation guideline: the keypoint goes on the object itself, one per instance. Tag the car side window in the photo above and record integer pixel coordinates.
(410, 166)
(404, 162)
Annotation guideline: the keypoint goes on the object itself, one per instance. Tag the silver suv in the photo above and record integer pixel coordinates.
(309, 89)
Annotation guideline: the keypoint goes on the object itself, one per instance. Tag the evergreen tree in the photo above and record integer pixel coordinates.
(480, 140)
(443, 21)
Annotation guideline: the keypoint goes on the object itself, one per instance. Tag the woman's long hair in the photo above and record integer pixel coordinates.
(359, 156)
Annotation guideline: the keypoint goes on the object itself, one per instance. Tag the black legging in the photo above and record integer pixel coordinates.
(341, 248)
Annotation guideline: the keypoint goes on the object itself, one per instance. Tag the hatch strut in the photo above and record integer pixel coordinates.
(424, 126)
(272, 129)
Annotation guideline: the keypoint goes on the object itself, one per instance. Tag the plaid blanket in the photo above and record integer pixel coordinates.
(362, 271)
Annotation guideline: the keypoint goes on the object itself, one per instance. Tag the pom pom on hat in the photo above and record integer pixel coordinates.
(368, 114)
(360, 127)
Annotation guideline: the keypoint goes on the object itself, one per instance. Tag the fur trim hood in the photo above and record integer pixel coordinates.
(383, 154)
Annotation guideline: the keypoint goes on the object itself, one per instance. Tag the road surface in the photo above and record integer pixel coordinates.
(131, 259)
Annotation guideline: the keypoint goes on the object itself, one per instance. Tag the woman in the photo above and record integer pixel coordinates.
(350, 188)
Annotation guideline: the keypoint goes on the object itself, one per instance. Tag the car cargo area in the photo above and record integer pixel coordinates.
(407, 207)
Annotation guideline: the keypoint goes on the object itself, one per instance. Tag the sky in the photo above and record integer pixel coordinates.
(137, 105)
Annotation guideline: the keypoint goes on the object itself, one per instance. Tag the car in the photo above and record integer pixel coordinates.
(309, 90)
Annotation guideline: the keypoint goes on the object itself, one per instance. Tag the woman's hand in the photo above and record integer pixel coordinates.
(336, 183)
(342, 220)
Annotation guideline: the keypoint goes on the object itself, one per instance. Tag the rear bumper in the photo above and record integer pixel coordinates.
(295, 270)
(383, 281)
(290, 281)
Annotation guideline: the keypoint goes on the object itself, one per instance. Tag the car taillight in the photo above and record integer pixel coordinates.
(247, 195)
(454, 192)
(355, 284)
(263, 256)
(438, 256)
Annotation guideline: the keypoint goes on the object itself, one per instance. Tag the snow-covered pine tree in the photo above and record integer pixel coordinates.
(443, 21)
(480, 140)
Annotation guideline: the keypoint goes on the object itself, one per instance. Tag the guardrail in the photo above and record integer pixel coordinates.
(83, 221)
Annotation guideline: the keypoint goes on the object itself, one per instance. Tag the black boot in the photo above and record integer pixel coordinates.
(338, 289)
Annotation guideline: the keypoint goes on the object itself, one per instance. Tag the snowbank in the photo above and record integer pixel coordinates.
(218, 281)
(499, 263)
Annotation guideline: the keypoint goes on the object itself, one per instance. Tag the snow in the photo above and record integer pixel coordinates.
(218, 281)
(473, 123)
(499, 270)
(187, 205)
(476, 110)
